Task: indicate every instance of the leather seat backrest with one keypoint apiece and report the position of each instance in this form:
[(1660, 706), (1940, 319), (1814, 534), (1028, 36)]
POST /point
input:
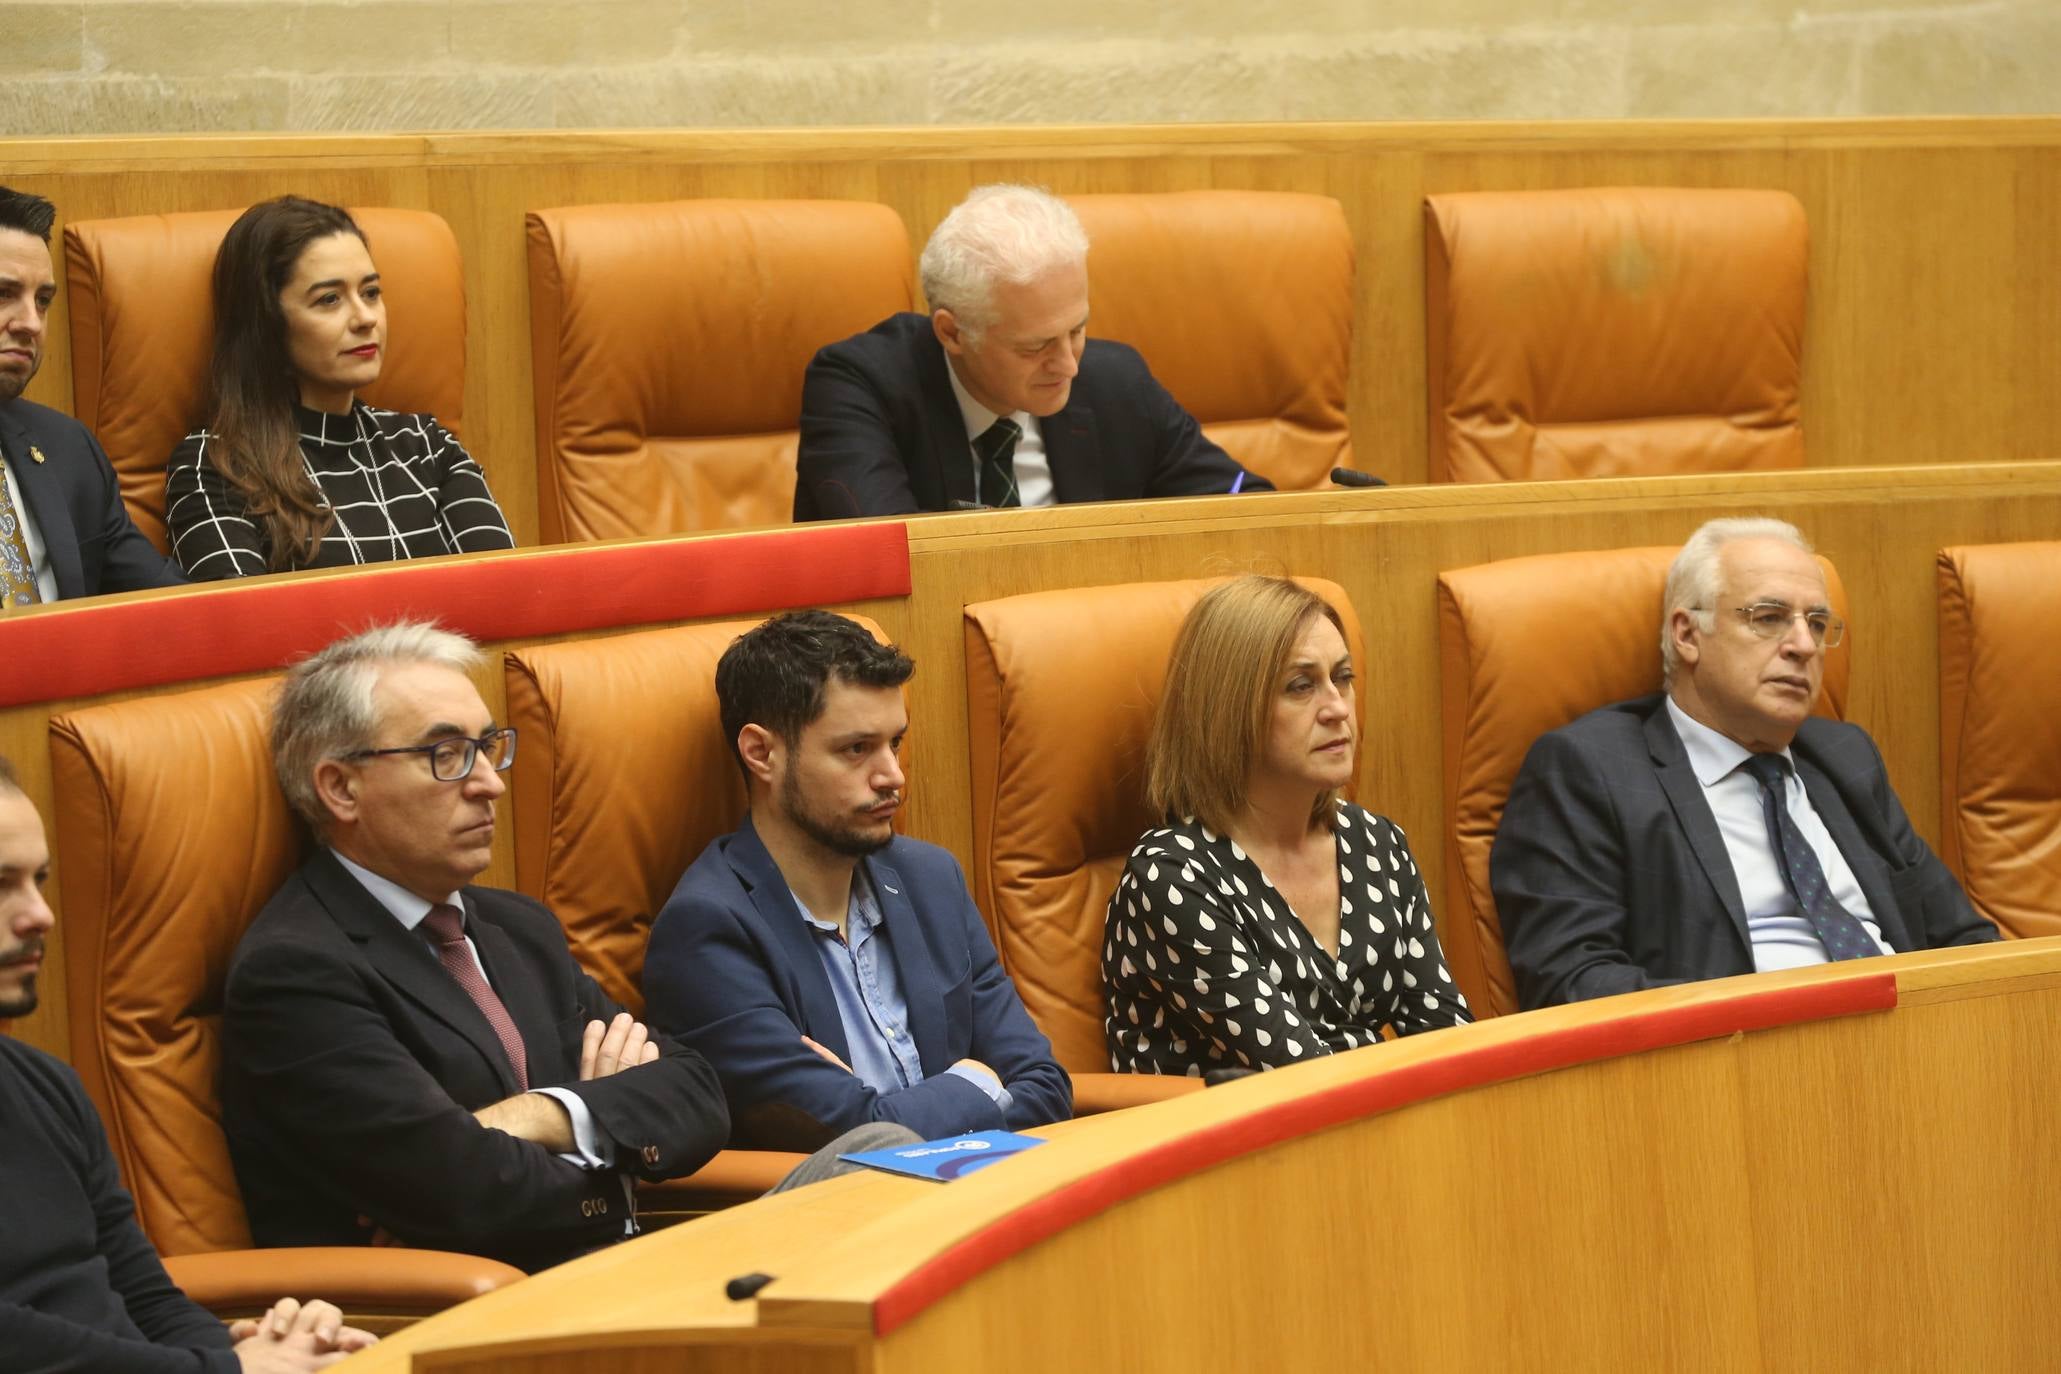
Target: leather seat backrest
[(171, 835), (1241, 303), (622, 776), (1525, 646), (1613, 332), (143, 319), (1061, 690), (668, 344), (1999, 734)]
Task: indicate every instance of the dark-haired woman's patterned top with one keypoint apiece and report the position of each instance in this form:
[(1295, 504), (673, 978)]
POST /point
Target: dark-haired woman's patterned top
[(402, 486)]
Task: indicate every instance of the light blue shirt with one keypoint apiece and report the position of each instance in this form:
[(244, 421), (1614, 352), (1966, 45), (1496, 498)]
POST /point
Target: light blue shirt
[(1782, 935), (592, 1149), (870, 1005)]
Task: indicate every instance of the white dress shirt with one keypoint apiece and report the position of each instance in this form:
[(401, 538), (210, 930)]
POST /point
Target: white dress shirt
[(1033, 468), (592, 1148), (39, 559), (1782, 935)]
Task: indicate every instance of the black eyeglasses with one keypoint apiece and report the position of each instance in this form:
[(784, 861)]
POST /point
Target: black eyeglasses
[(451, 760), (1772, 619)]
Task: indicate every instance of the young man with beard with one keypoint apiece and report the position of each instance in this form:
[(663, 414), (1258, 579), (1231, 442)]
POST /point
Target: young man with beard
[(833, 972)]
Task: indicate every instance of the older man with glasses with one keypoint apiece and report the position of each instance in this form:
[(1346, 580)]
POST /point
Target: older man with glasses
[(1718, 827), (410, 1058)]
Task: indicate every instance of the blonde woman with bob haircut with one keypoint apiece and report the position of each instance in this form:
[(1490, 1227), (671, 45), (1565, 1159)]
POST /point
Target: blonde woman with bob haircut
[(1270, 920)]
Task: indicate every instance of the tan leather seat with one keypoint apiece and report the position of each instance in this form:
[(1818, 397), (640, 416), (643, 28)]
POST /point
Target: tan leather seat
[(1525, 646), (668, 344), (1600, 333), (1999, 734), (143, 323), (623, 778), (1241, 302), (1061, 690), (171, 834)]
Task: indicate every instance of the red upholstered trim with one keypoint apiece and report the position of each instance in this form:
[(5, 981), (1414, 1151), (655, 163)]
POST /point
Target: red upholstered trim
[(253, 627), (1228, 1140)]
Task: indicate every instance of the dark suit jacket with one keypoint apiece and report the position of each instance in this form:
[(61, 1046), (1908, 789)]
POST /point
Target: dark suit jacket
[(80, 1287), (352, 1064), (76, 506), (1610, 875), (881, 432), (733, 970)]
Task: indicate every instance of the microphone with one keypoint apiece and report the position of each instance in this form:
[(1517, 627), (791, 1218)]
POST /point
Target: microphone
[(1353, 477), (745, 1286)]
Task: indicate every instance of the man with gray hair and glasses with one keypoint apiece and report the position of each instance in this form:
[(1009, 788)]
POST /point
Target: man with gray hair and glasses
[(409, 1058), (998, 397), (1716, 828)]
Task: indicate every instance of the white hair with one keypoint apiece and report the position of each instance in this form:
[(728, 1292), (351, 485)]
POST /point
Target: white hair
[(999, 233), (1694, 579), (325, 709)]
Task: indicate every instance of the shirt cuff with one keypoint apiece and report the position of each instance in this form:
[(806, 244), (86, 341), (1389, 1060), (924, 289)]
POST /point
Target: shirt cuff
[(987, 1083), (592, 1149)]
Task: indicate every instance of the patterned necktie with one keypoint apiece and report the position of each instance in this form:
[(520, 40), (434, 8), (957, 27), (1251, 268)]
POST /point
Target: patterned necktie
[(446, 927), (1841, 932), (17, 572), (994, 467)]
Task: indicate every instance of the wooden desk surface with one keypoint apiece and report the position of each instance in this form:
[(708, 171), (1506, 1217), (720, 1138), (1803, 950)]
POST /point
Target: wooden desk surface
[(1698, 1125)]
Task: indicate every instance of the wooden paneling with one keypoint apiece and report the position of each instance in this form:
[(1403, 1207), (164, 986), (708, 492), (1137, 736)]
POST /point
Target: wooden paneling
[(1931, 332), (1805, 1195), (1386, 547), (1808, 1197)]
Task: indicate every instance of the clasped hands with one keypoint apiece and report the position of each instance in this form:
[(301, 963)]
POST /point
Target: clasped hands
[(295, 1336)]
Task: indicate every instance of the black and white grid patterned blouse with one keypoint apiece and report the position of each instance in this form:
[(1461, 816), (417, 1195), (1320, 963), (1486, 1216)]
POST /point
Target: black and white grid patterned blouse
[(1205, 965), (401, 486)]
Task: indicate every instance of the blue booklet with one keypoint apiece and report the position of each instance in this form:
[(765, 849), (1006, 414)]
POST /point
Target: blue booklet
[(944, 1160)]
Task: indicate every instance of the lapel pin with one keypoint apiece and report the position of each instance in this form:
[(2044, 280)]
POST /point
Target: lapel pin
[(36, 453)]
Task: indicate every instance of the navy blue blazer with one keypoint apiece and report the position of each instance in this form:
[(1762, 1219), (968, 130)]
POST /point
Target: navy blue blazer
[(1610, 875), (76, 506), (881, 431), (732, 970)]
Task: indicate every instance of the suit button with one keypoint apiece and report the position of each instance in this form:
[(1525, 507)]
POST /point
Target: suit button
[(651, 1154), (587, 1207)]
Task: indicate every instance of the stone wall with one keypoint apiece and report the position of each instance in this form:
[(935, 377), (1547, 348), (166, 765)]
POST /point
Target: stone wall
[(149, 66)]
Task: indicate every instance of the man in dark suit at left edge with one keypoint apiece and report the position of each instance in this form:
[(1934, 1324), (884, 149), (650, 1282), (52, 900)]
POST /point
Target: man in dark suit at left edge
[(80, 1286), (409, 1057), (64, 531)]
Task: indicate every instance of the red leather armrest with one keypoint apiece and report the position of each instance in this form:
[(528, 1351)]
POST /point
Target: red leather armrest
[(1111, 1092), (232, 1283)]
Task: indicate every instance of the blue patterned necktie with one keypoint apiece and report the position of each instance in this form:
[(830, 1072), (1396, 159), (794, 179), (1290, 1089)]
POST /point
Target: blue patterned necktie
[(17, 572), (994, 471), (1839, 930)]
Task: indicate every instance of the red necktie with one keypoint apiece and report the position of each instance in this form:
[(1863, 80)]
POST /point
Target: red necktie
[(446, 926)]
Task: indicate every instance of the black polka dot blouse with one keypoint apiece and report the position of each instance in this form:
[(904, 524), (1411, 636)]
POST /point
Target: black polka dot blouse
[(1205, 966)]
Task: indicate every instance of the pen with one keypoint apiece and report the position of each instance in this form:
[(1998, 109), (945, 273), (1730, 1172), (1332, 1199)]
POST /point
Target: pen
[(1237, 483)]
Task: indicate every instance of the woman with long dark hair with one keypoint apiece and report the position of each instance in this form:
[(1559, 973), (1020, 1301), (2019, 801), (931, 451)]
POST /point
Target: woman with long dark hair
[(292, 469)]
